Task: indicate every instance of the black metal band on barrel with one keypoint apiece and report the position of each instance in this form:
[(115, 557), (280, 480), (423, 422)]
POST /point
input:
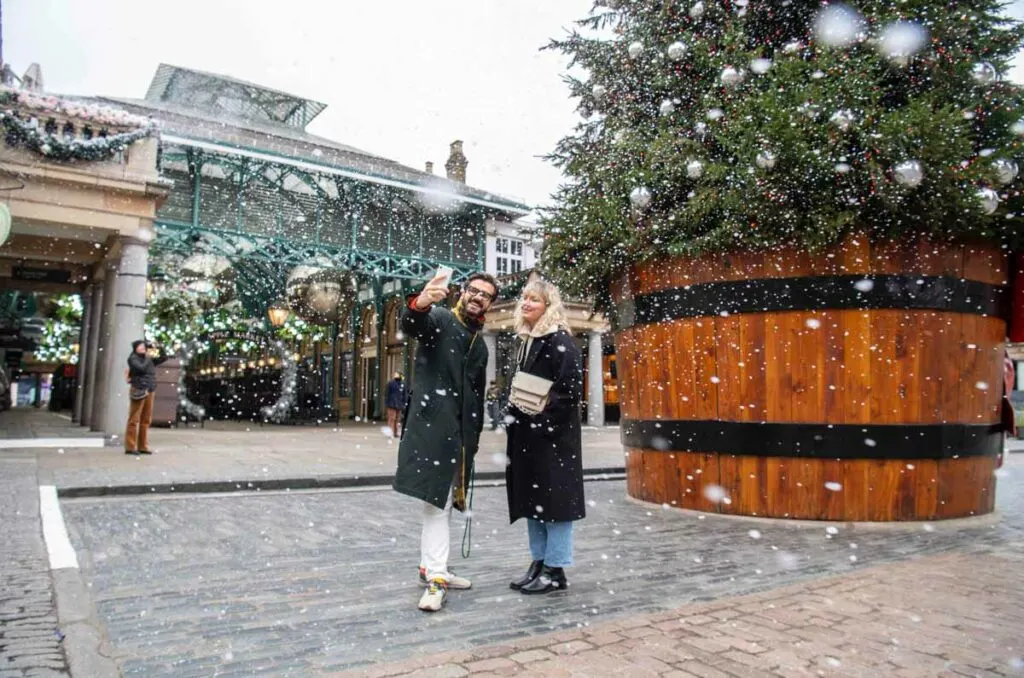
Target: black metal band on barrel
[(817, 441), (765, 295)]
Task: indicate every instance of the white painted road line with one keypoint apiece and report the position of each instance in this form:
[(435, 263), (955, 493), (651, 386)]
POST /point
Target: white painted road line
[(25, 443), (58, 545)]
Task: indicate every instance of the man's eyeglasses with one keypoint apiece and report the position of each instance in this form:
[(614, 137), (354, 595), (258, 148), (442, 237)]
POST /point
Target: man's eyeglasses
[(477, 292)]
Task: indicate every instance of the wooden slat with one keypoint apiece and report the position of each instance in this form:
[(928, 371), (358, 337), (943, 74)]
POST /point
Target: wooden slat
[(778, 367), (727, 355), (706, 368), (884, 381), (986, 263), (752, 370), (809, 342)]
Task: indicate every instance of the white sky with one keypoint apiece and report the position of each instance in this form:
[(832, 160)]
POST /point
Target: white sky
[(401, 78)]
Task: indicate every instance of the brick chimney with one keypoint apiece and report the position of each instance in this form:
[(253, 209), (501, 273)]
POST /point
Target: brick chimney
[(430, 168), (456, 165)]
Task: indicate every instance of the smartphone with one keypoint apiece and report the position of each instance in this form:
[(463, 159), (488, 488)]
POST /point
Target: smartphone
[(445, 272)]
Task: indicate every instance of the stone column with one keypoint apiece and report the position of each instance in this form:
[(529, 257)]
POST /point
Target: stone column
[(129, 321), (90, 350), (83, 355), (595, 395), (103, 347)]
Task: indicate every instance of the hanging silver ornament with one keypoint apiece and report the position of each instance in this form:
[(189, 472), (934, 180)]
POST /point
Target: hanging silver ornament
[(760, 66), (792, 47), (765, 160), (989, 200), (677, 51), (640, 197), (635, 49), (842, 168), (843, 119), (694, 169), (667, 107), (700, 130), (715, 114), (909, 173), (611, 4), (1006, 170), (984, 73), (599, 91), (697, 11), (1018, 127), (731, 76), (810, 110)]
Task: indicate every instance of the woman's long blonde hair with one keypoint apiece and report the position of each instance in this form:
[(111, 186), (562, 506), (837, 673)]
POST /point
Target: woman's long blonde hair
[(555, 316)]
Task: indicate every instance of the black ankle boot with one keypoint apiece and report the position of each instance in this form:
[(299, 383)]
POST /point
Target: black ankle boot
[(531, 574), (550, 579)]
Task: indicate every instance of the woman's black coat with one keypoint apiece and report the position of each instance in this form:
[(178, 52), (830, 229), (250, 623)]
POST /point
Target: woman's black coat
[(545, 468)]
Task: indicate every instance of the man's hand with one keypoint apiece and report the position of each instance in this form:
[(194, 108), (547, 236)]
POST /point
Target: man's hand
[(436, 290)]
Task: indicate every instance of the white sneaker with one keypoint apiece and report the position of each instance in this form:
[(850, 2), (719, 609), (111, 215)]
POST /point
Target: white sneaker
[(433, 598), (455, 582)]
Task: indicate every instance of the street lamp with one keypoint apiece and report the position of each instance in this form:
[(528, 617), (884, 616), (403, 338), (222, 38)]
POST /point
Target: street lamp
[(278, 313)]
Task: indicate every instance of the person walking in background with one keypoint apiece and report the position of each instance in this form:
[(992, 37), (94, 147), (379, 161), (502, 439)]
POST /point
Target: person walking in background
[(492, 403), (544, 476), (444, 420), (394, 401), (141, 377)]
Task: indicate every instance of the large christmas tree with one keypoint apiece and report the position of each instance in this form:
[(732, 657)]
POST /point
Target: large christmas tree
[(746, 124)]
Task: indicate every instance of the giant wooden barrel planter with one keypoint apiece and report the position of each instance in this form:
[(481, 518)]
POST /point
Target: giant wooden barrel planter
[(861, 383)]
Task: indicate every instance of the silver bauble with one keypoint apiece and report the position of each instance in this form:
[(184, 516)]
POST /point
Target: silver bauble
[(984, 73), (989, 200), (697, 11), (635, 49), (677, 51), (909, 173), (640, 197), (765, 160), (667, 107), (809, 110), (731, 76), (843, 119), (701, 130), (792, 47), (760, 66), (1006, 170), (694, 169), (599, 91), (1018, 127)]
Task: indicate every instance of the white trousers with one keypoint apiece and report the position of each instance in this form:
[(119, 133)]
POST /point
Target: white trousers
[(435, 540)]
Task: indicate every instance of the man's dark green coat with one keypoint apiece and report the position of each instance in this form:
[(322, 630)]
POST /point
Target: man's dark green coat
[(445, 414)]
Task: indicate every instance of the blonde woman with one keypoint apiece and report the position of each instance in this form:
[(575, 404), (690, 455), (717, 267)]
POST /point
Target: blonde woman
[(545, 469)]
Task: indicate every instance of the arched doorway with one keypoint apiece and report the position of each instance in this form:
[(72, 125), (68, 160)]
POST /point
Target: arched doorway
[(367, 347)]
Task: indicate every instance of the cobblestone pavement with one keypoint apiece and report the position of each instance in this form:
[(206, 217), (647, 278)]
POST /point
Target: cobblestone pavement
[(309, 584), (29, 644), (229, 451), (947, 616)]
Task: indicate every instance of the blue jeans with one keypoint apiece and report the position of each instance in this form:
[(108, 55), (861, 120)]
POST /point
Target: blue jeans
[(550, 542)]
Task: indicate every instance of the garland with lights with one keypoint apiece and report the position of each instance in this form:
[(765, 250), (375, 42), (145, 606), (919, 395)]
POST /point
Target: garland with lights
[(28, 133)]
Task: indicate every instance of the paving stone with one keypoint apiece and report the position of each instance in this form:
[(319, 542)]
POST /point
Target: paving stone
[(28, 620), (531, 656)]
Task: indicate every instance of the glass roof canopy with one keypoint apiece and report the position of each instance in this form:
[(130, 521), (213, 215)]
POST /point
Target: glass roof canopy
[(221, 94)]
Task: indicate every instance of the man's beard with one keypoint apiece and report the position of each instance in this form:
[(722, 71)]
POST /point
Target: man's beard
[(470, 313)]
